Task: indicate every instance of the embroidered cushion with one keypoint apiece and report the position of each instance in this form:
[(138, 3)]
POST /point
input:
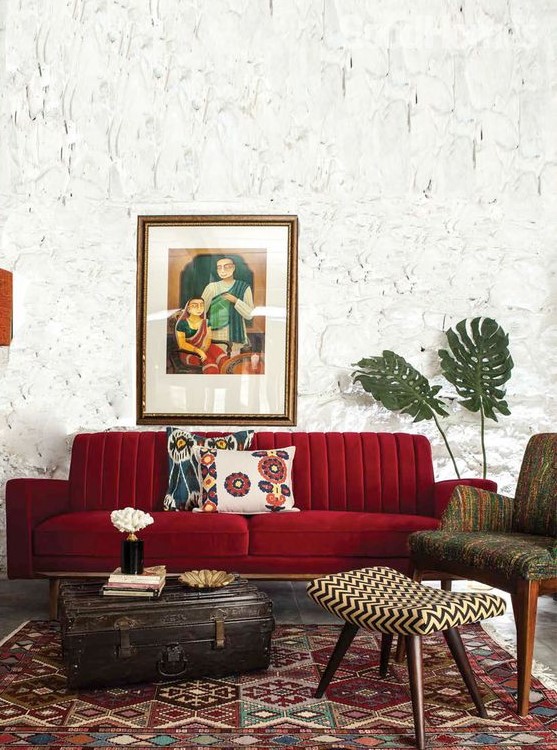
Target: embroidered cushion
[(184, 491), (249, 482)]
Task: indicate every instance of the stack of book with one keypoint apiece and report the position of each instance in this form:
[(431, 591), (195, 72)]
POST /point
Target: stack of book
[(148, 584)]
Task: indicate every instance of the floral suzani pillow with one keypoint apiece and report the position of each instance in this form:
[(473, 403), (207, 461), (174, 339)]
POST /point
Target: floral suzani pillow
[(247, 482), (184, 491)]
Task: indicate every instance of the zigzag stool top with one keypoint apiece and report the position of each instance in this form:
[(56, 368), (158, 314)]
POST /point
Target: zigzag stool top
[(385, 600)]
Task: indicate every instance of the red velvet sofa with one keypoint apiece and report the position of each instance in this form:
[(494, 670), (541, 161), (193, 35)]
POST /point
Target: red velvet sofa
[(360, 496)]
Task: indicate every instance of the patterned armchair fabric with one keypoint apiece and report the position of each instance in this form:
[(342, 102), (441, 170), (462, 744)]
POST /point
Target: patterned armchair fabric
[(485, 530), (471, 509), (524, 555), (535, 509), (510, 544)]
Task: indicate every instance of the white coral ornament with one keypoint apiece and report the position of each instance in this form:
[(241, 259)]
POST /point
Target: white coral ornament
[(130, 520)]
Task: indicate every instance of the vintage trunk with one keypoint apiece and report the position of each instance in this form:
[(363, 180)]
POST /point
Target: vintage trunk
[(184, 634)]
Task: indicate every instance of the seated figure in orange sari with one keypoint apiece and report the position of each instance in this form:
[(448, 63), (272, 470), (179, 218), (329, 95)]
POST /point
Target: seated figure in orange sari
[(193, 337)]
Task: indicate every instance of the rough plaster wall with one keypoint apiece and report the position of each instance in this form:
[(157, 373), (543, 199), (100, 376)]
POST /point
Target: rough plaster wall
[(415, 140)]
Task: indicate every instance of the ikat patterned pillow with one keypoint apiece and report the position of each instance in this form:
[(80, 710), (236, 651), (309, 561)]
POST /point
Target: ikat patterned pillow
[(247, 482), (184, 491)]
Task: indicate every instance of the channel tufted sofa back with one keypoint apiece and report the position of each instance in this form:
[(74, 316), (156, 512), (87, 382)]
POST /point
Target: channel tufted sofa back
[(356, 471)]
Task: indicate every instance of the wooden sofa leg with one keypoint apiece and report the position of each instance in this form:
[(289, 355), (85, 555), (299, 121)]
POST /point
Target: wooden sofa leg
[(53, 591), (525, 607)]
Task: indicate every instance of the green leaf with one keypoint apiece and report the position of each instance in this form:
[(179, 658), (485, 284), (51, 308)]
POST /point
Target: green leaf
[(398, 386), (478, 364)]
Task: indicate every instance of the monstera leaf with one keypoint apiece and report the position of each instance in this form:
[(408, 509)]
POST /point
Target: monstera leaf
[(399, 387), (478, 365)]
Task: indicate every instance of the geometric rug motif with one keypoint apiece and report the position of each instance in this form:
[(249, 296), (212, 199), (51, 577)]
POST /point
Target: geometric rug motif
[(273, 709)]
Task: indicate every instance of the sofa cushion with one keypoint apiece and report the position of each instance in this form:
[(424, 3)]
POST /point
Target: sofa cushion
[(315, 533), (172, 535), (183, 491), (247, 481)]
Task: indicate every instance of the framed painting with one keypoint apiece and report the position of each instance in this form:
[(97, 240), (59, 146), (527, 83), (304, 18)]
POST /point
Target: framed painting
[(216, 320)]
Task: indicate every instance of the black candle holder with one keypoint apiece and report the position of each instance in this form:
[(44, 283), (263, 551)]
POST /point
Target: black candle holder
[(131, 561)]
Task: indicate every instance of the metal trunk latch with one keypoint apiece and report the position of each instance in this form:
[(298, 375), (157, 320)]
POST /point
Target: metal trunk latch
[(218, 618), (173, 662), (125, 650)]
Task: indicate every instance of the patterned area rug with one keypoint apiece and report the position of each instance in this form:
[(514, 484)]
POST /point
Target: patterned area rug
[(273, 709)]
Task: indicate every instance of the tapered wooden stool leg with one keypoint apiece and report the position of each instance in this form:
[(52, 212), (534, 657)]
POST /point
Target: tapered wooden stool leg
[(386, 642), (345, 639), (454, 642), (400, 649), (401, 643), (414, 658)]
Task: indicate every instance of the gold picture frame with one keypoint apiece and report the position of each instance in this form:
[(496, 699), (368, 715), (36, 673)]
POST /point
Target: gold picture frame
[(217, 320)]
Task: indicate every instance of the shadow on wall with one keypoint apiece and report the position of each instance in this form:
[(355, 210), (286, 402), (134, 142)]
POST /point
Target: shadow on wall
[(40, 446)]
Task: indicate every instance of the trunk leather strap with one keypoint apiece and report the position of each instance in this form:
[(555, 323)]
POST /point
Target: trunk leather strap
[(219, 630), (125, 650)]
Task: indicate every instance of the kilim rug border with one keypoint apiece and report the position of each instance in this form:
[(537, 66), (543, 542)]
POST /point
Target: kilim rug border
[(275, 709)]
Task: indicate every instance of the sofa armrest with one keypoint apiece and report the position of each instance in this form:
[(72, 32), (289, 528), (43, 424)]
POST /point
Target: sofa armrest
[(28, 502), (444, 490), (473, 509)]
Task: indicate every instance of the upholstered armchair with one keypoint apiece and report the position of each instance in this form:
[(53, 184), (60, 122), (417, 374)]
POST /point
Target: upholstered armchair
[(505, 543)]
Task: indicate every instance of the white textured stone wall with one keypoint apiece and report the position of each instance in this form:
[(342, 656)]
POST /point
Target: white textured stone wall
[(415, 140)]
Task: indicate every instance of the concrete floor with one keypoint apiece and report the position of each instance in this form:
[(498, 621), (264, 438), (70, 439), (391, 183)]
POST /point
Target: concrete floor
[(28, 600)]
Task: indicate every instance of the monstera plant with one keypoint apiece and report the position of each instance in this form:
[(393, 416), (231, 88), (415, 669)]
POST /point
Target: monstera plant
[(477, 363)]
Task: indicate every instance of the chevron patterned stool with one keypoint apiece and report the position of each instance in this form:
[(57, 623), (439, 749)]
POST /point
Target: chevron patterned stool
[(389, 602)]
